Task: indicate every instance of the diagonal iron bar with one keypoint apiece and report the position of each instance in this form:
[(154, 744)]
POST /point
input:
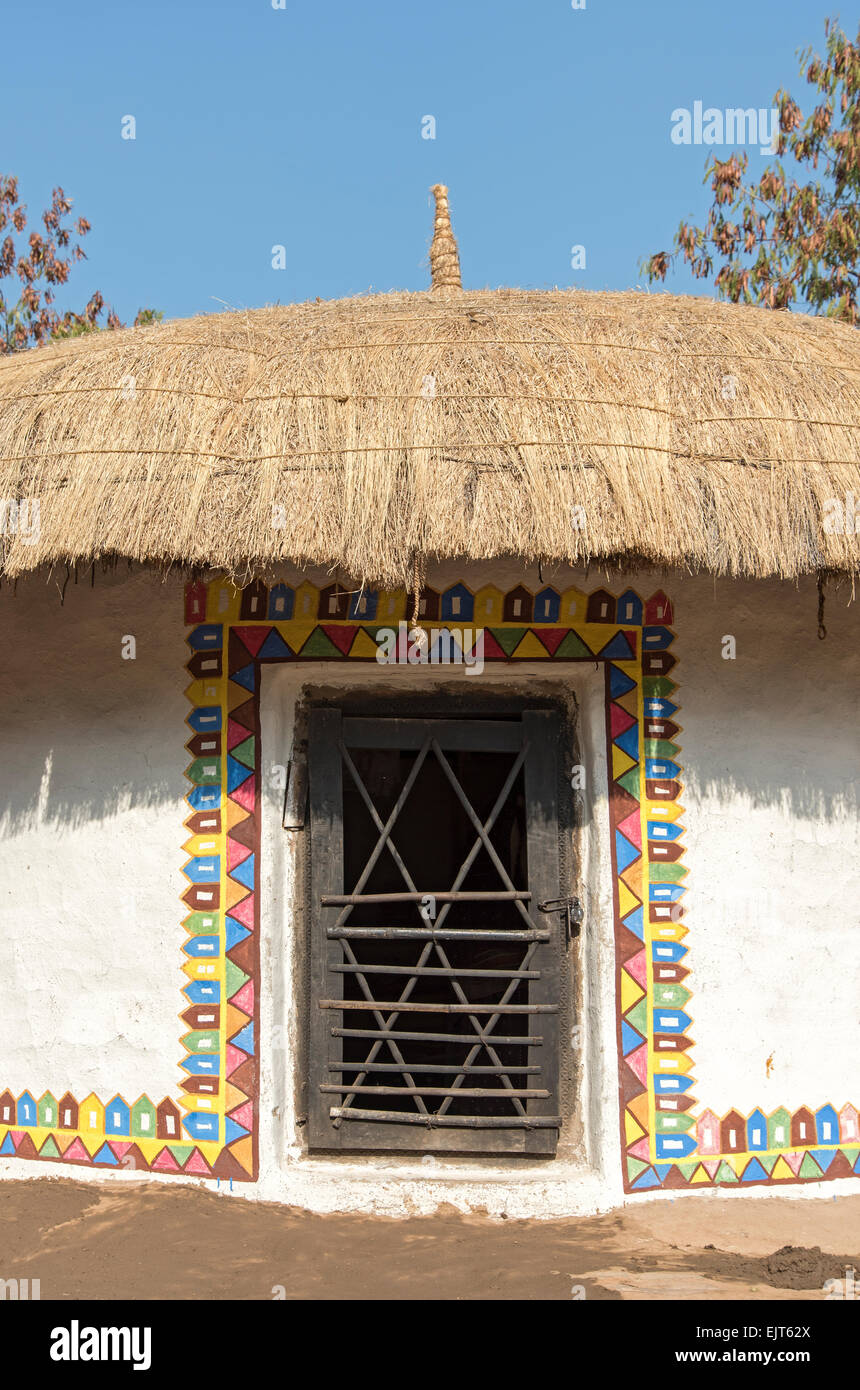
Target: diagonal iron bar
[(474, 818), (386, 829)]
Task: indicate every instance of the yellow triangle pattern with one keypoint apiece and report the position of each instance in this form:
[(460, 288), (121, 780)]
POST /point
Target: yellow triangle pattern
[(533, 649), (621, 762), (626, 900), (632, 1130), (631, 991)]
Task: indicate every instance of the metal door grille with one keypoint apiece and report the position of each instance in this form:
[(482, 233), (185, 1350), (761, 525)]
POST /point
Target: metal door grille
[(434, 1012)]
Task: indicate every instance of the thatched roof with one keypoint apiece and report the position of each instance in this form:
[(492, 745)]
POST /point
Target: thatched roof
[(365, 432)]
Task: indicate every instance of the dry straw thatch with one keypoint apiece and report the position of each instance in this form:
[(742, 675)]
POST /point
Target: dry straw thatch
[(365, 433)]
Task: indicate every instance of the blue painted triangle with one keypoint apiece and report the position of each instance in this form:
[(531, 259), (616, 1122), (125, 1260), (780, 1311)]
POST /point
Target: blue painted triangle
[(237, 773), (245, 1039), (7, 1147), (274, 648), (625, 853), (635, 922), (754, 1172), (647, 1179), (629, 741), (619, 683), (630, 1039), (824, 1158), (244, 872), (200, 992), (235, 933), (106, 1155), (617, 650), (245, 676), (232, 1130)]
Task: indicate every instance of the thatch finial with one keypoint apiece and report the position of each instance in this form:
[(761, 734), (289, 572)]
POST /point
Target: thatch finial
[(444, 256)]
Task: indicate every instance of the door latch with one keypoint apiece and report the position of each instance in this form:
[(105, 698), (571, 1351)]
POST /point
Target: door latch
[(572, 911)]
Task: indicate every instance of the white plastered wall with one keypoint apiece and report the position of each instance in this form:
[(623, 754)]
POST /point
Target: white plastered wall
[(91, 810)]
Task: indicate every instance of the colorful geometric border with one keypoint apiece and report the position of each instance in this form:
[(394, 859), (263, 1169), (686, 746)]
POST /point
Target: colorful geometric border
[(234, 633)]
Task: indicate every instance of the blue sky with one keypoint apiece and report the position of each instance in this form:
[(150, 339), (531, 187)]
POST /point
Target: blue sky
[(301, 127)]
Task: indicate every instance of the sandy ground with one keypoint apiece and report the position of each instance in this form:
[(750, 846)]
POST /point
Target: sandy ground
[(148, 1241)]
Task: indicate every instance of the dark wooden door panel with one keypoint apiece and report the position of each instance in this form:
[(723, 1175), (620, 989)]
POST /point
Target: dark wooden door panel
[(434, 978)]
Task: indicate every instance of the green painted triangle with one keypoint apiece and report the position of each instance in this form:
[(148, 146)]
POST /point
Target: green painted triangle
[(49, 1148), (768, 1162), (199, 924), (635, 1166), (809, 1168), (202, 1040), (629, 780), (638, 1017), (204, 772), (726, 1173), (244, 753), (674, 996), (661, 748), (320, 645), (508, 638), (688, 1169), (573, 647), (658, 685), (666, 1124), (181, 1152), (851, 1154), (234, 978), (666, 873)]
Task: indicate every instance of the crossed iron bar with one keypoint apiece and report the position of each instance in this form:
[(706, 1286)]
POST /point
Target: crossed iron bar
[(531, 935)]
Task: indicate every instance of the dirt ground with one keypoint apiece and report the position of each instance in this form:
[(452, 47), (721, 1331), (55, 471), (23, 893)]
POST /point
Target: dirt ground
[(147, 1241)]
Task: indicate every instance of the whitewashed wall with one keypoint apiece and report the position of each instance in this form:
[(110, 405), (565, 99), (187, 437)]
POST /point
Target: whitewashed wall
[(91, 811)]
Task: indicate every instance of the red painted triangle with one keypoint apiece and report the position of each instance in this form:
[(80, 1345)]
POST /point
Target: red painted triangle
[(244, 1114), (619, 720), (236, 734), (234, 1058), (631, 827), (252, 637), (197, 1164), (637, 966), (342, 637), (244, 794), (492, 650), (244, 912), (76, 1153), (236, 854), (551, 637), (244, 999), (638, 1062), (165, 1162)]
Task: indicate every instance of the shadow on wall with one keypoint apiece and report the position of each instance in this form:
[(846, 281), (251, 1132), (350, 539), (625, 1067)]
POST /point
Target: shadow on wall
[(768, 712), (92, 693), (92, 731)]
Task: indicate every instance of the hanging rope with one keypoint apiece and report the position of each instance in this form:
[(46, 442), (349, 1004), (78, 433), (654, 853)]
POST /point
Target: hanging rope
[(822, 630), (418, 634)]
